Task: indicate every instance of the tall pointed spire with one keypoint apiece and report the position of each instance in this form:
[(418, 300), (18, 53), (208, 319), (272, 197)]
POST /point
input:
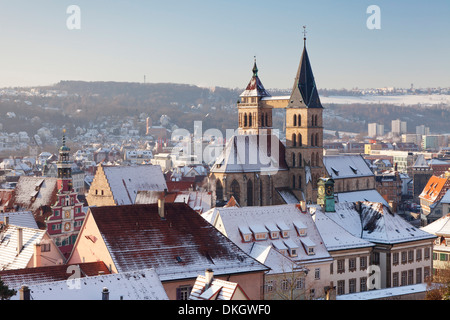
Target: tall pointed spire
[(255, 87), (304, 93)]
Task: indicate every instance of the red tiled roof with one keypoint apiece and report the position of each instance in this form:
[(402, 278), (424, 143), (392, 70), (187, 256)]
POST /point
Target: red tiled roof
[(29, 276), (183, 242)]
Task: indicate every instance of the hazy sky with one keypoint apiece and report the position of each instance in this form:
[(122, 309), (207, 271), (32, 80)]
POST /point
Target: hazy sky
[(212, 43)]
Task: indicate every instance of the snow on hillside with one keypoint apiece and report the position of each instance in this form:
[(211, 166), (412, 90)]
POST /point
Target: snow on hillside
[(425, 100)]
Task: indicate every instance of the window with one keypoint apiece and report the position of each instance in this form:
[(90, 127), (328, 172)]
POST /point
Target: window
[(363, 263), (352, 264), (426, 253), (317, 273), (45, 247), (363, 284), (395, 279), (352, 285), (284, 285), (443, 257), (341, 287), (410, 255), (269, 286), (418, 254), (395, 257), (403, 257), (419, 275), (183, 292), (410, 276), (300, 283), (341, 265), (404, 277)]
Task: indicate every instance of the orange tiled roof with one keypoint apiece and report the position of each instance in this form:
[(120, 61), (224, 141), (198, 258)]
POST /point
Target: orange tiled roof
[(434, 189)]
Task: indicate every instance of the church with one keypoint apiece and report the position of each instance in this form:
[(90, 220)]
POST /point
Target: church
[(256, 168)]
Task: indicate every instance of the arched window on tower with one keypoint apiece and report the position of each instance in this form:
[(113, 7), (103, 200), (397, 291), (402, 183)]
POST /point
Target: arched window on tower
[(236, 191), (316, 142), (300, 159), (249, 193), (299, 120), (293, 182), (295, 120), (293, 159), (317, 160), (312, 140), (299, 139), (294, 140), (299, 182), (219, 191), (245, 120), (250, 120)]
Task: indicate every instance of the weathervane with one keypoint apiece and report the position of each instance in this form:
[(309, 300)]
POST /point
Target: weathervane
[(304, 33)]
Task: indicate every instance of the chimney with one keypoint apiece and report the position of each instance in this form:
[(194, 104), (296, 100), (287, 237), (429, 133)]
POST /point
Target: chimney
[(6, 221), (208, 277), (161, 208), (105, 294), (24, 293), (37, 255), (19, 240)]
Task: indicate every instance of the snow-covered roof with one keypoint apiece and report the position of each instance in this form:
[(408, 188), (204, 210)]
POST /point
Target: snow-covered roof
[(217, 290), (283, 216), (371, 195), (126, 181), (334, 236), (182, 245), (446, 197), (420, 162), (439, 227), (346, 166), (388, 293), (374, 222), (264, 154), (9, 257), (33, 193), (133, 285), (21, 219)]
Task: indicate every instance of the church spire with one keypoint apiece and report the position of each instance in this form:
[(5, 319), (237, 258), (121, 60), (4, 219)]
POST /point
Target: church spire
[(304, 93)]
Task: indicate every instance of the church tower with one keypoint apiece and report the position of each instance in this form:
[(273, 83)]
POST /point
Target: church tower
[(255, 117), (304, 133)]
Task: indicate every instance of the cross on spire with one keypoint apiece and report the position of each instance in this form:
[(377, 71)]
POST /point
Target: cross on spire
[(304, 34)]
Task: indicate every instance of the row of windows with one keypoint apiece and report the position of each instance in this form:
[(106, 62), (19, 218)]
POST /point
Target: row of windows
[(352, 265), (408, 256), (297, 120), (315, 160), (352, 285), (246, 120), (406, 277), (297, 140)]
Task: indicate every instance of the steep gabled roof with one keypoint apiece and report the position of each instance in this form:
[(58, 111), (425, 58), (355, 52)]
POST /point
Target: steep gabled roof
[(435, 189), (181, 245), (252, 153), (126, 181), (32, 193), (304, 93), (217, 290)]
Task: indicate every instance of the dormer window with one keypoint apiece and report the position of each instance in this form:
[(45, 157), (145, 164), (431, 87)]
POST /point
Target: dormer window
[(274, 232), (245, 233), (292, 247), (309, 245), (301, 228), (259, 232), (280, 246), (284, 229)]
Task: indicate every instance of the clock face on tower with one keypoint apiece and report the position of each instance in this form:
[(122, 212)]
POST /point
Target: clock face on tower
[(67, 214), (321, 190), (329, 191)]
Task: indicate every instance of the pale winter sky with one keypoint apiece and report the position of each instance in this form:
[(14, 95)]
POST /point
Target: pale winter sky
[(212, 42)]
